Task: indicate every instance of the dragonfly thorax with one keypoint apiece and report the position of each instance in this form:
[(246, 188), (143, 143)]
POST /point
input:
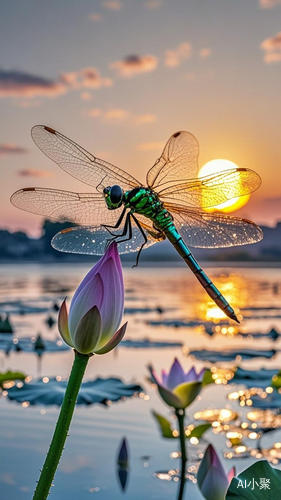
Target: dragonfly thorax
[(113, 196)]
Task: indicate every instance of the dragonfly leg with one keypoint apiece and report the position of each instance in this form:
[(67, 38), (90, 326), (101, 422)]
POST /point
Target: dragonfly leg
[(117, 223), (127, 226), (144, 237)]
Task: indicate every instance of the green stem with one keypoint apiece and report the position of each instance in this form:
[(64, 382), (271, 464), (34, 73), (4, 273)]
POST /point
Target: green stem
[(62, 427), (180, 414)]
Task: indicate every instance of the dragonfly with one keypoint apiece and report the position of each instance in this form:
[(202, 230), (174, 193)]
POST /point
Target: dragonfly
[(174, 204)]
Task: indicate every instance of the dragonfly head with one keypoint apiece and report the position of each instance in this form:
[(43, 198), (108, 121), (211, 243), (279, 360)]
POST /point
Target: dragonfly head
[(113, 196)]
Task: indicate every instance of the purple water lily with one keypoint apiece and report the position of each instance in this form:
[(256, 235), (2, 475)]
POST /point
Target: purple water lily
[(212, 479), (178, 388), (96, 308)]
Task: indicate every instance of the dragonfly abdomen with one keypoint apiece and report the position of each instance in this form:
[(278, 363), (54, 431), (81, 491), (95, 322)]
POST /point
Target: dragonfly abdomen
[(177, 241)]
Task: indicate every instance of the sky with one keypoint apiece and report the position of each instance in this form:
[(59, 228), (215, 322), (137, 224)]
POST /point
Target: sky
[(119, 77)]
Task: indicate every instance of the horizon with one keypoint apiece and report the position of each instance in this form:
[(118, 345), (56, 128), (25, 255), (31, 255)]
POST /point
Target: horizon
[(121, 99)]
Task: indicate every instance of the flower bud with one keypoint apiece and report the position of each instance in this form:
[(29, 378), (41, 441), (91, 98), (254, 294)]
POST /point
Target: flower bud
[(96, 308)]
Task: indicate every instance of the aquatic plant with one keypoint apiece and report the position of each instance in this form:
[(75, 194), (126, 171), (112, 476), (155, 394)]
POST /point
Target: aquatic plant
[(95, 313)]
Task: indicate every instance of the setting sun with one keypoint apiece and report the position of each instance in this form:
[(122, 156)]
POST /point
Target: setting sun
[(219, 165)]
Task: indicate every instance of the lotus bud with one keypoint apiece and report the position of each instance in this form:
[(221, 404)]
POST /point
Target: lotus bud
[(211, 477), (177, 388), (96, 309)]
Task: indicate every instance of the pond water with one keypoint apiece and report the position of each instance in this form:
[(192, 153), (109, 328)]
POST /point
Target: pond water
[(156, 299)]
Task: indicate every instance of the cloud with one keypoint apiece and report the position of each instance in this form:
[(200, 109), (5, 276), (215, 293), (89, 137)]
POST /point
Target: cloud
[(117, 115), (11, 149), (151, 146), (86, 96), (145, 118), (174, 57), (85, 78), (153, 4), (135, 64), (112, 5), (95, 17), (31, 172), (15, 83), (269, 4), (205, 53), (272, 48)]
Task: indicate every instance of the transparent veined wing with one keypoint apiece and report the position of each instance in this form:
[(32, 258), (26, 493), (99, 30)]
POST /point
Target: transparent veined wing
[(213, 189), (80, 208), (92, 241), (177, 163), (213, 230), (78, 162)]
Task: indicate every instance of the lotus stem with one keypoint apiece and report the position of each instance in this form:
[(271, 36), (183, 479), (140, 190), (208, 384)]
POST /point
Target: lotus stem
[(180, 414), (62, 427)]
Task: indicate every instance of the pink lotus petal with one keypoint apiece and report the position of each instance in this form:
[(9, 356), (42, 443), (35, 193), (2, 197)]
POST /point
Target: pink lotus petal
[(211, 477), (164, 377), (91, 295), (113, 300), (114, 341), (63, 324), (176, 375), (231, 474)]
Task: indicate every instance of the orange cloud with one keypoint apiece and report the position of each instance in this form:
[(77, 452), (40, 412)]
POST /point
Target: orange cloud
[(176, 56), (14, 83), (112, 5), (269, 4), (95, 17), (145, 118), (11, 149), (31, 172), (153, 4), (151, 146), (272, 48), (135, 64), (86, 96), (116, 115), (205, 52), (85, 77)]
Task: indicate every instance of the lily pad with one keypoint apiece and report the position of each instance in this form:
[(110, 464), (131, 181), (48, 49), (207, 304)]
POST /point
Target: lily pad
[(30, 344), (45, 391), (146, 343), (260, 481), (9, 376), (254, 378), (231, 354)]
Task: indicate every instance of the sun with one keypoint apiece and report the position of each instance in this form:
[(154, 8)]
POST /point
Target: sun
[(219, 165)]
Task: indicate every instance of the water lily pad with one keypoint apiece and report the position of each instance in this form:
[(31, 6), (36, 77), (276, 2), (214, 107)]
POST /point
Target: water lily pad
[(30, 344), (51, 391), (9, 376), (231, 354), (146, 343), (254, 378), (260, 481)]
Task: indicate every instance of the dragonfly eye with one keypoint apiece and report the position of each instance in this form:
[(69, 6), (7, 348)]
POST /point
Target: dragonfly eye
[(116, 194), (106, 191)]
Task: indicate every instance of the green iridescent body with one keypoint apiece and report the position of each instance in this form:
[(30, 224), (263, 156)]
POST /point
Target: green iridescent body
[(146, 202)]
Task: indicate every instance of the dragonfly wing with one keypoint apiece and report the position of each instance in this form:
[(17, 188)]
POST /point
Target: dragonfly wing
[(214, 230), (78, 162), (92, 241), (177, 162), (79, 208), (212, 190)]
